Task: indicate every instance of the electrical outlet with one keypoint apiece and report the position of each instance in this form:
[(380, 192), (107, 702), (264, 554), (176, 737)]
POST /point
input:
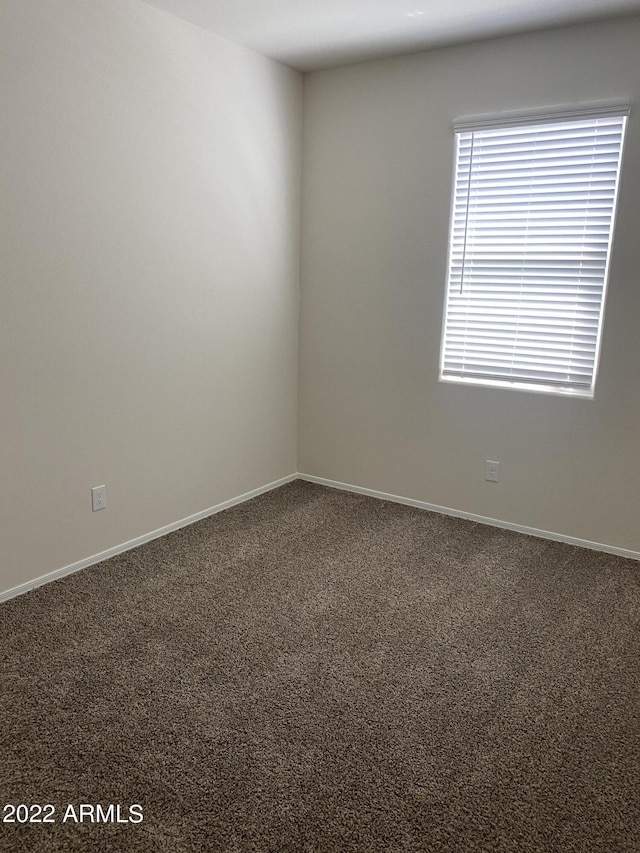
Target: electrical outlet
[(492, 473), (98, 498)]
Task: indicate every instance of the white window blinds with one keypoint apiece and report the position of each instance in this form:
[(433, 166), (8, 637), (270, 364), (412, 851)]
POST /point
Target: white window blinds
[(531, 225)]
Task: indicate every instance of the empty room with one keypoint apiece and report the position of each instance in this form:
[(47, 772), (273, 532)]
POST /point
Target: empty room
[(320, 420)]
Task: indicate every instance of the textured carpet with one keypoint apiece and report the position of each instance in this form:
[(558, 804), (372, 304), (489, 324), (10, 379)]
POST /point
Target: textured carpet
[(319, 671)]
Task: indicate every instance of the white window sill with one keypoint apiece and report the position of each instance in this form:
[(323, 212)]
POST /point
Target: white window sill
[(535, 388)]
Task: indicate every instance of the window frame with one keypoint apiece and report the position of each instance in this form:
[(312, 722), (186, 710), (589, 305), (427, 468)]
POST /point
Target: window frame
[(522, 118)]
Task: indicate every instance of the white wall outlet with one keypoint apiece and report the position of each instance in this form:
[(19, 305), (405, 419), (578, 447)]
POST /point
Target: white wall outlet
[(492, 473), (98, 498)]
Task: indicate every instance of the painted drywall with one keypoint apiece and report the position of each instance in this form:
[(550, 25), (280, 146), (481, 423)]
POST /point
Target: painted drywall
[(149, 275), (378, 165)]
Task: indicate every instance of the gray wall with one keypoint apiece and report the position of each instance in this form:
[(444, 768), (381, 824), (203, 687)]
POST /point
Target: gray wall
[(149, 249), (149, 275), (378, 163)]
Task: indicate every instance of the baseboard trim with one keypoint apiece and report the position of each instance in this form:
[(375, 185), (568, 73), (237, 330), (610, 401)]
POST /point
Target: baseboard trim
[(140, 540), (481, 519), (321, 481)]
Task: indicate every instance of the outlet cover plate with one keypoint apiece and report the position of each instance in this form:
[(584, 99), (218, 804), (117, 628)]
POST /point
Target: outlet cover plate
[(492, 473), (98, 498)]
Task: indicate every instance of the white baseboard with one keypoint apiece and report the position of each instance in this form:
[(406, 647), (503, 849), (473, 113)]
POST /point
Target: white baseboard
[(493, 522), (140, 540), (322, 481)]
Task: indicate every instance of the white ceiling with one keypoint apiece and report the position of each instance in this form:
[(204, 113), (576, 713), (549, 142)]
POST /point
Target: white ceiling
[(312, 34)]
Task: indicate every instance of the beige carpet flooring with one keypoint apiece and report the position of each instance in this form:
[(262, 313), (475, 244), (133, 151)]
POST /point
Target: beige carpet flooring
[(320, 671)]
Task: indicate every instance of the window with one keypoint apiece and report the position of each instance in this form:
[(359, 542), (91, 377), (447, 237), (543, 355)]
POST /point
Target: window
[(531, 226)]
